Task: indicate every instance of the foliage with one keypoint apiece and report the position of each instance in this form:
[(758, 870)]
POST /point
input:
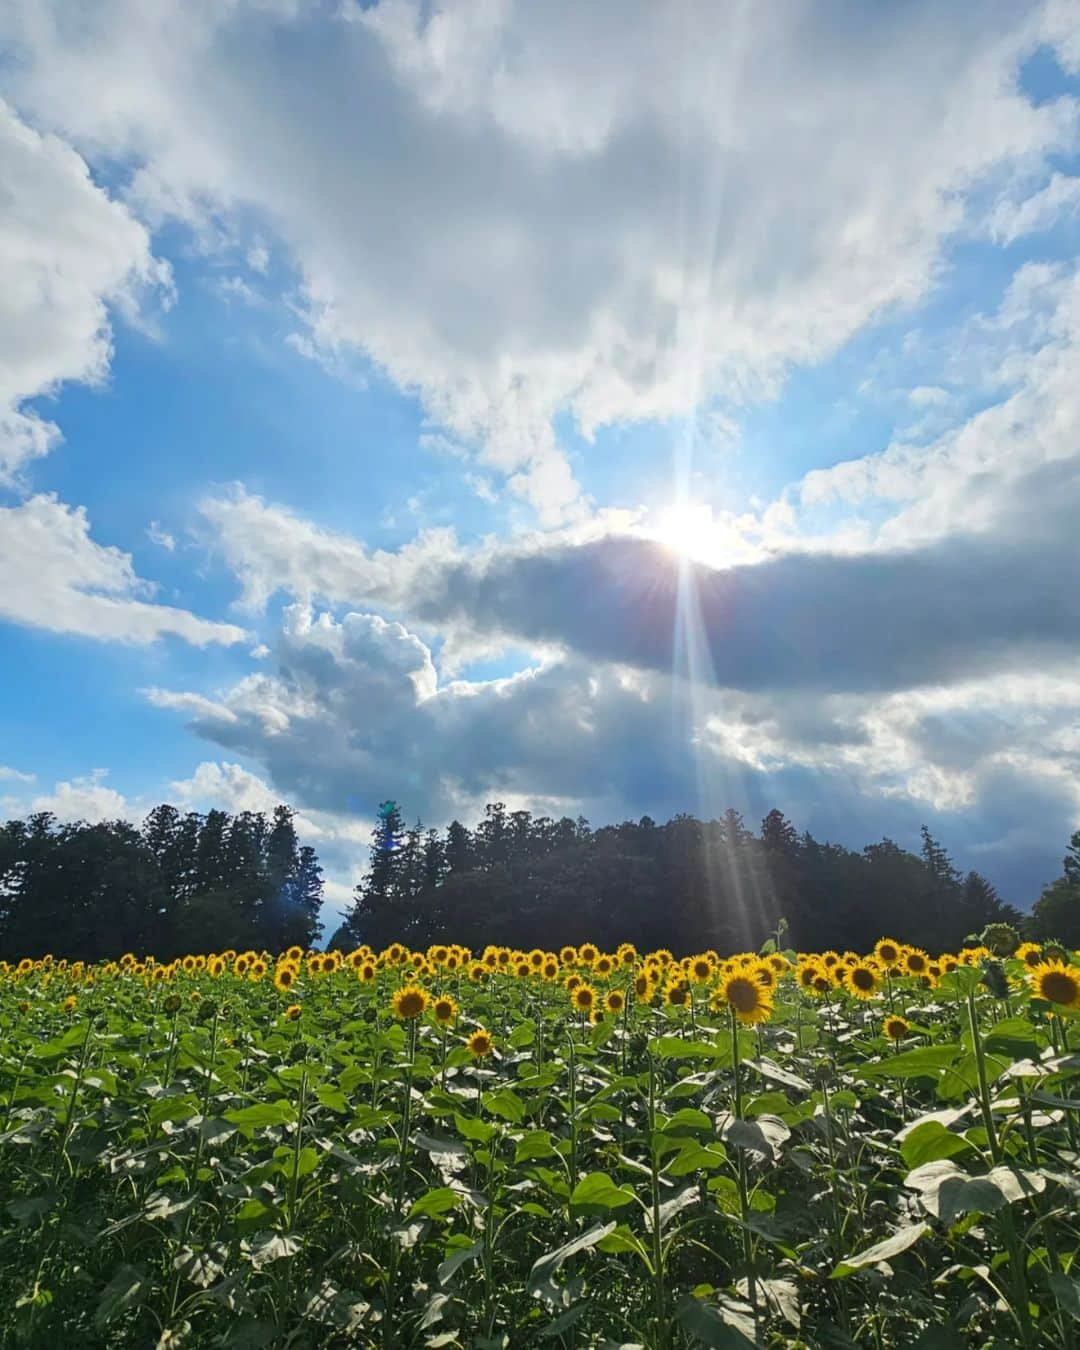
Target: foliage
[(518, 878), (440, 1149), (181, 882)]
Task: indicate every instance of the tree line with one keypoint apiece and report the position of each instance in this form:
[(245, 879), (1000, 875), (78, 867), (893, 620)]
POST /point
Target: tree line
[(181, 882), (525, 881), (185, 881)]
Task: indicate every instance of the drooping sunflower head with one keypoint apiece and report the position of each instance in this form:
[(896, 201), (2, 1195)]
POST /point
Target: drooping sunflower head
[(862, 980), (409, 1002), (445, 1009), (742, 992), (480, 1043), (896, 1028), (1057, 983), (614, 1000), (292, 1012)]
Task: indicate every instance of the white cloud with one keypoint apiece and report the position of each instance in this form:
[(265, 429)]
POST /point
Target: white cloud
[(57, 578), (86, 798), (1059, 199), (67, 255), (161, 537), (9, 775), (520, 209)]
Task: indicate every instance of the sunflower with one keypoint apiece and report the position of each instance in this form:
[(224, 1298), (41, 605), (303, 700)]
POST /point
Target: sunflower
[(215, 966), (568, 955), (676, 994), (915, 961), (480, 1043), (69, 1003), (537, 958), (366, 972), (603, 965), (522, 969), (887, 952), (1057, 983), (292, 1012), (550, 969), (409, 1001), (295, 955), (700, 969), (615, 1000), (284, 978), (583, 997), (477, 971), (587, 953), (862, 980), (445, 1009), (644, 987), (807, 974), (829, 959), (257, 969), (896, 1028), (661, 957), (766, 975), (745, 995)]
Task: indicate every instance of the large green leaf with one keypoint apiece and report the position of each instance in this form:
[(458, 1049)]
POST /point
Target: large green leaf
[(885, 1250)]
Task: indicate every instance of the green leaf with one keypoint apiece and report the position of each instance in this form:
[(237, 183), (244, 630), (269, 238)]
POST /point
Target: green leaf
[(332, 1098), (881, 1251), (674, 1047), (248, 1119), (927, 1061), (688, 1120), (505, 1103), (434, 1204), (536, 1144), (600, 1190), (1066, 1291), (776, 1074), (946, 1192), (127, 1287), (931, 1141), (523, 1034), (718, 1326), (541, 1282), (453, 1263)]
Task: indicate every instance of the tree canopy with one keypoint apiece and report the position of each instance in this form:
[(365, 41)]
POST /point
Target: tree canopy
[(526, 881), (181, 882)]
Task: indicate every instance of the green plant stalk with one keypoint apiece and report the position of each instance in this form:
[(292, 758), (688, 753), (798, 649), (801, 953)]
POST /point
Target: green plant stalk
[(743, 1182), (1017, 1269), (294, 1179), (659, 1291)]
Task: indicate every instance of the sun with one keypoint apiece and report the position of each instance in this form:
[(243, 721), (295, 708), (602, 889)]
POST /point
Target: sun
[(689, 530)]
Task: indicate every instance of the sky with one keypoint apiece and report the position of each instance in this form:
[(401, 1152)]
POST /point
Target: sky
[(607, 409)]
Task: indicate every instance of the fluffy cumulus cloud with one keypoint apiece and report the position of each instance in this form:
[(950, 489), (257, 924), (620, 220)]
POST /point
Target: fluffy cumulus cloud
[(917, 661), (517, 209), (58, 578), (68, 254), (615, 212)]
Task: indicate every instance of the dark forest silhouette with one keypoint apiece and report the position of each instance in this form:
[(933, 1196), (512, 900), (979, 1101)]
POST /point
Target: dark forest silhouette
[(531, 881), (185, 881)]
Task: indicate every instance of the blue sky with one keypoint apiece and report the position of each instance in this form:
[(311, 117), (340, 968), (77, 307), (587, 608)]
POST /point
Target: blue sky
[(558, 404)]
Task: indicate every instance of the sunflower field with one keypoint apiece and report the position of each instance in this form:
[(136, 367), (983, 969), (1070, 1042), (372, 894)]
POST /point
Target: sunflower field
[(572, 1148)]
